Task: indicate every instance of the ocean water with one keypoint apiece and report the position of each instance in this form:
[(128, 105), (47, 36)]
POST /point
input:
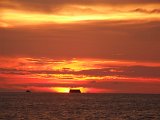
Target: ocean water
[(48, 106)]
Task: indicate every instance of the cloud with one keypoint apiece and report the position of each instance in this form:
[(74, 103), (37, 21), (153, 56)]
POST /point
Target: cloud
[(147, 11), (105, 40), (47, 4), (122, 71), (64, 12), (12, 71)]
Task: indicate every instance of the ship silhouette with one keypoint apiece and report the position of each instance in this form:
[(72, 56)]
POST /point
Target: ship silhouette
[(73, 90), (28, 91)]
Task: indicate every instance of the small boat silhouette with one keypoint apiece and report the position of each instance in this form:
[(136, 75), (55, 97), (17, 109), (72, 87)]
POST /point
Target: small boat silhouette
[(73, 90), (28, 91)]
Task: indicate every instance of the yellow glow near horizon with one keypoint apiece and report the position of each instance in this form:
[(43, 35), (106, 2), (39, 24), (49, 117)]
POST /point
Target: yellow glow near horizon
[(74, 13), (61, 89)]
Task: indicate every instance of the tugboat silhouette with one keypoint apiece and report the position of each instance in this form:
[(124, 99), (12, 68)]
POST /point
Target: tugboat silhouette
[(74, 90)]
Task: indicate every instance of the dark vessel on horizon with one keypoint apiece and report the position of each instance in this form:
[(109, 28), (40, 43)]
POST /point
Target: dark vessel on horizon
[(28, 91), (74, 91)]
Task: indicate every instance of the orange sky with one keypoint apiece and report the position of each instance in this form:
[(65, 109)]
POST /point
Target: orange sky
[(96, 46)]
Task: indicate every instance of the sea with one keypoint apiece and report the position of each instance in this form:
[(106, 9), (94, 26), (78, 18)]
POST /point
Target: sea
[(51, 106)]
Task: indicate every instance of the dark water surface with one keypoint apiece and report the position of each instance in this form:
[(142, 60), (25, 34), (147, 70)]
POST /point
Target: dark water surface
[(48, 106)]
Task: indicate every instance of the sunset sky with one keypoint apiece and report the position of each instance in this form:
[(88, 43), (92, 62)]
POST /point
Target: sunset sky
[(98, 46)]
